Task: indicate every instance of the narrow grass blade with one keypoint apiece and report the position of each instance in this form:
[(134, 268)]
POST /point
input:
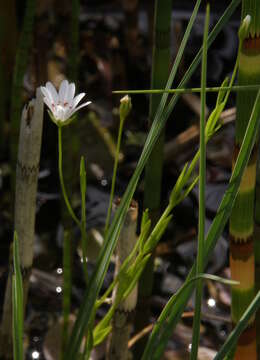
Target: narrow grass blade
[(17, 298), (235, 88), (214, 233), (83, 189), (96, 281), (202, 186), (159, 326), (240, 327)]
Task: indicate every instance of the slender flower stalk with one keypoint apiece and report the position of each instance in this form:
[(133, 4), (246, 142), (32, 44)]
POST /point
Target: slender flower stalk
[(64, 192), (125, 108), (202, 185), (241, 226), (62, 108)]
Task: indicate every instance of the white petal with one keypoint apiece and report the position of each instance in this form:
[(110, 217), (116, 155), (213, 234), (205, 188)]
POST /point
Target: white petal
[(46, 93), (77, 99), (52, 91), (48, 103), (71, 92), (81, 106), (63, 91)]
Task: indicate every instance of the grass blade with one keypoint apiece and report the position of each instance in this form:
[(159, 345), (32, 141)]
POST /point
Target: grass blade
[(240, 327), (17, 298), (202, 186), (96, 280)]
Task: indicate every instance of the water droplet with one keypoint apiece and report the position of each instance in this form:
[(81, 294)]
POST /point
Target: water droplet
[(58, 289), (104, 182), (211, 302), (35, 354)]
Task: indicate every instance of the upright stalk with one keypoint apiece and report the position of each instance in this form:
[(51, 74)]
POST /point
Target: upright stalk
[(242, 259), (25, 205), (154, 167), (21, 63), (202, 185)]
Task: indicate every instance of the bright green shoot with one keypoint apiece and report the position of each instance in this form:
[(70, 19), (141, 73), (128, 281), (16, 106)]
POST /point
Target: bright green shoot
[(17, 299), (202, 185), (124, 110)]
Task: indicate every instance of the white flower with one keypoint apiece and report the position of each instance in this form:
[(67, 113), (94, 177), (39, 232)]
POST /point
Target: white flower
[(62, 104)]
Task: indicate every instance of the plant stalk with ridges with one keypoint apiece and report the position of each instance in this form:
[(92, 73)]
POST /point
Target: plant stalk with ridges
[(241, 226)]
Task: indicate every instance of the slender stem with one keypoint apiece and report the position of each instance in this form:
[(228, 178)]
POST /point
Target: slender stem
[(65, 196), (66, 289), (236, 88), (114, 172), (202, 185), (83, 218)]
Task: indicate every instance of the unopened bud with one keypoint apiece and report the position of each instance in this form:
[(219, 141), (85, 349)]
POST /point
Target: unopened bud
[(244, 28), (125, 106)]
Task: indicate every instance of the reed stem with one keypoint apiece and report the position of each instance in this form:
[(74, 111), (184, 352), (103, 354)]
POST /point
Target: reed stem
[(122, 318), (25, 204), (21, 63), (154, 166), (242, 259)]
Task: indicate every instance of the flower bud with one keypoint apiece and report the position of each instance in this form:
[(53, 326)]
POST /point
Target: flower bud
[(244, 28), (125, 107)]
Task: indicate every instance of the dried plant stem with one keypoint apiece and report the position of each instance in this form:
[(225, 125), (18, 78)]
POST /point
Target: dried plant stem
[(22, 56), (242, 258), (121, 323), (25, 204)]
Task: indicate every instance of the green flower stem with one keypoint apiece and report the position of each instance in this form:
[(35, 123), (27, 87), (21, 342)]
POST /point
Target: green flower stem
[(121, 124), (83, 217), (235, 88), (65, 196), (202, 185)]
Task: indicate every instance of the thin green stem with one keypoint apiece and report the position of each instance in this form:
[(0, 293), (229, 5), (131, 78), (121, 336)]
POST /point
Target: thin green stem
[(121, 123), (65, 196), (202, 185), (83, 218), (235, 88)]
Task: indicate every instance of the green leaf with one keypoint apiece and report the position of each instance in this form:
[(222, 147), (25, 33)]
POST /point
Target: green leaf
[(17, 299), (101, 334)]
